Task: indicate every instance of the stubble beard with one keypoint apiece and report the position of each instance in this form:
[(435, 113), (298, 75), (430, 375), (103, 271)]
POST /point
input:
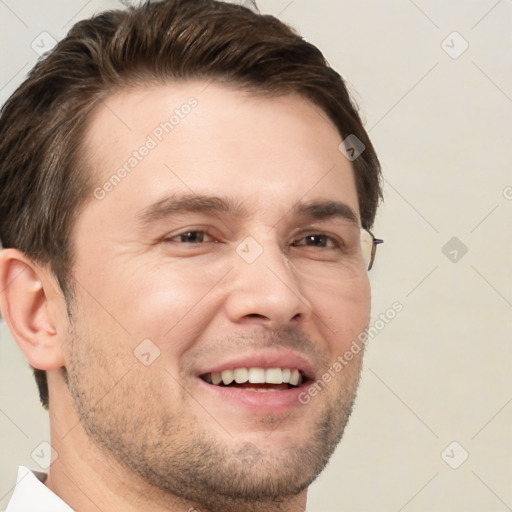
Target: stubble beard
[(211, 472)]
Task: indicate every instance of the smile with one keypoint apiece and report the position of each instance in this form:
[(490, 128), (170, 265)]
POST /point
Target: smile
[(256, 378)]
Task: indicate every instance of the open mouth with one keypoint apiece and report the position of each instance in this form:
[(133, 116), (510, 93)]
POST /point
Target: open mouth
[(257, 379)]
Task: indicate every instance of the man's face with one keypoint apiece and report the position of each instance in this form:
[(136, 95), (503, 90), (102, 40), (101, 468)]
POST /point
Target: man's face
[(229, 245)]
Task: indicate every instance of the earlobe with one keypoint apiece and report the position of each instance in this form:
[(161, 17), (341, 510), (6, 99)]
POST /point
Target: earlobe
[(26, 291)]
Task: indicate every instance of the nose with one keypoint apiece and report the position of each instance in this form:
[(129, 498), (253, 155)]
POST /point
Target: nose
[(265, 289)]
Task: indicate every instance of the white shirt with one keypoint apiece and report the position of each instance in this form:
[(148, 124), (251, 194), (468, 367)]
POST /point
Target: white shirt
[(31, 495)]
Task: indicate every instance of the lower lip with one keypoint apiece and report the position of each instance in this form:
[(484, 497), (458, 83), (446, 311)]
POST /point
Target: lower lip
[(261, 402)]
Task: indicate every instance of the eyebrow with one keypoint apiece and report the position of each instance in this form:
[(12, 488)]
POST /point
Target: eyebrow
[(325, 210), (190, 203)]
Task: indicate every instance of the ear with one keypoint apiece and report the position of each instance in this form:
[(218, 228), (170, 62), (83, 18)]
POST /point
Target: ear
[(29, 295)]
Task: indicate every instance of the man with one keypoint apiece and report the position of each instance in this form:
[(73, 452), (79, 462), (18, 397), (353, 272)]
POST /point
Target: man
[(185, 194)]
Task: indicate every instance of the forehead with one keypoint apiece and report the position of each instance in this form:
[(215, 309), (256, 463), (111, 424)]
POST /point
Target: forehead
[(206, 138)]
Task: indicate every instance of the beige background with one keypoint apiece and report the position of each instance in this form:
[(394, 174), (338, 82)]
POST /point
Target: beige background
[(441, 370)]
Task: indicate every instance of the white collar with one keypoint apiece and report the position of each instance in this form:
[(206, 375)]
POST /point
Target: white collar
[(31, 495)]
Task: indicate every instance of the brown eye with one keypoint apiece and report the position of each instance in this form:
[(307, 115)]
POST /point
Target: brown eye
[(315, 240), (191, 237)]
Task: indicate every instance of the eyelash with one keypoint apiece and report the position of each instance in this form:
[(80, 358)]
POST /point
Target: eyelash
[(335, 243), (171, 239)]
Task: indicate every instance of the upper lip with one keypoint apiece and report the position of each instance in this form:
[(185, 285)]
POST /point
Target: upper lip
[(264, 359)]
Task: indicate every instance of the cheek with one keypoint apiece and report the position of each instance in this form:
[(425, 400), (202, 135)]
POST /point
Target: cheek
[(342, 308), (172, 301), (98, 355)]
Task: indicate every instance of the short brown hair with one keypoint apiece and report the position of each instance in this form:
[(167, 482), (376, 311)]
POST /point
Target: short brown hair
[(42, 184)]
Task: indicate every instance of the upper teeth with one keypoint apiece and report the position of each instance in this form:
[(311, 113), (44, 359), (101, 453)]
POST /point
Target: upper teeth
[(257, 376)]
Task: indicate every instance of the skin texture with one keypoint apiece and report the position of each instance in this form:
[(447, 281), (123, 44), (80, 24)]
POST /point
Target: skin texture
[(132, 436)]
